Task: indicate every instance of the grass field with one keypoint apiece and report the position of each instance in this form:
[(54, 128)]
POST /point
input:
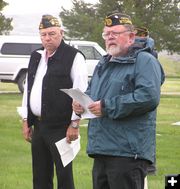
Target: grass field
[(15, 158), (171, 67)]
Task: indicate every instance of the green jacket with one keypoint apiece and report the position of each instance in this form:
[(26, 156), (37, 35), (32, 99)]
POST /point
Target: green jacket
[(129, 89)]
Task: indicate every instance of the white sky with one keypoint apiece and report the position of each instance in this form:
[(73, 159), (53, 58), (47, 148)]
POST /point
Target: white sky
[(31, 11), (38, 6)]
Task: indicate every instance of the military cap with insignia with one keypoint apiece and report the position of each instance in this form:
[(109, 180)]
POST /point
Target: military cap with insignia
[(49, 21), (117, 18), (141, 31)]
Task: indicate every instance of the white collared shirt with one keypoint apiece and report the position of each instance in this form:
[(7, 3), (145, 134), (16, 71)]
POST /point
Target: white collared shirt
[(78, 74)]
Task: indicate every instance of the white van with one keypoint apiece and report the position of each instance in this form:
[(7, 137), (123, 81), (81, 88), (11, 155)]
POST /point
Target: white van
[(15, 53)]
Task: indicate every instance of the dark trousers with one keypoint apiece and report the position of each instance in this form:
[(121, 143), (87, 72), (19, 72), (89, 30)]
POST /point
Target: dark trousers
[(111, 172), (45, 156)]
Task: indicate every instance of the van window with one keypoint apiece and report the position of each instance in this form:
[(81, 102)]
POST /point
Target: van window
[(19, 48), (90, 52)]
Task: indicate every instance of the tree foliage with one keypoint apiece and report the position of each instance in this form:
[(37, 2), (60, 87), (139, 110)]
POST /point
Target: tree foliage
[(5, 23), (82, 21), (161, 17)]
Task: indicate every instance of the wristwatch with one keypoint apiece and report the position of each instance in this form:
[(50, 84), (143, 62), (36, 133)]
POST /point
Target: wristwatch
[(74, 125), (24, 119)]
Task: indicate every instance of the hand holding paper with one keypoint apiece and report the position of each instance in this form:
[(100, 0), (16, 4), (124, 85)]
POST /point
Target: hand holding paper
[(83, 99), (68, 151)]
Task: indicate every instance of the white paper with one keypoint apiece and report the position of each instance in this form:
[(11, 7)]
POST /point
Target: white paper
[(176, 123), (68, 151), (83, 99)]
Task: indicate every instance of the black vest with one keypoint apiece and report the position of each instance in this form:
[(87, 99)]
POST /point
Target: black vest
[(56, 107)]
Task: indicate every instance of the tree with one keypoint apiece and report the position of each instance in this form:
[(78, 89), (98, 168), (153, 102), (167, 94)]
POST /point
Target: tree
[(82, 21), (5, 23), (161, 17)]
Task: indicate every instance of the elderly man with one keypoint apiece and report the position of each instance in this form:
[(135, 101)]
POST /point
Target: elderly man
[(125, 88), (46, 111)]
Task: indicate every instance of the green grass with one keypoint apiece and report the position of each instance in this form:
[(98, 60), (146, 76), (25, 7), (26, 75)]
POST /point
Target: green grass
[(15, 163), (171, 67), (15, 155), (168, 153), (15, 158), (171, 85), (8, 87)]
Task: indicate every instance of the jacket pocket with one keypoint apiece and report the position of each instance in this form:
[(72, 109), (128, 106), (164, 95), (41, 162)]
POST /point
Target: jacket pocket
[(121, 87)]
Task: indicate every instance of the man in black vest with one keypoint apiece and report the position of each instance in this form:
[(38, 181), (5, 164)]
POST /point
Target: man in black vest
[(46, 111)]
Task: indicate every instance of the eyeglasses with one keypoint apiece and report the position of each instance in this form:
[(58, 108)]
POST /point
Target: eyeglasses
[(105, 35)]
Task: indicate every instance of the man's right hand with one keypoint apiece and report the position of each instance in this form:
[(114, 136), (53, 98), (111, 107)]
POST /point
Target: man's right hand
[(27, 131), (77, 108)]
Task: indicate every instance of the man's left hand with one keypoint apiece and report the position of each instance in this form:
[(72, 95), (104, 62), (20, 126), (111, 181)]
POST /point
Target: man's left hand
[(72, 134), (95, 108)]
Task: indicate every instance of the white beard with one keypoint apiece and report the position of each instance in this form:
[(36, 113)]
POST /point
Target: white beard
[(114, 50)]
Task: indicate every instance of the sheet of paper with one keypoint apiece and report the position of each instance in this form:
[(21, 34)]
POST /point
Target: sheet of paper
[(83, 99), (68, 151), (176, 123)]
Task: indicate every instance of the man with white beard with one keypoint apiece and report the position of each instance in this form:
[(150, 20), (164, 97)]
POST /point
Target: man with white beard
[(125, 88)]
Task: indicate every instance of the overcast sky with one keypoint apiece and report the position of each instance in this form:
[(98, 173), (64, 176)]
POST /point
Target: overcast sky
[(26, 14), (38, 6)]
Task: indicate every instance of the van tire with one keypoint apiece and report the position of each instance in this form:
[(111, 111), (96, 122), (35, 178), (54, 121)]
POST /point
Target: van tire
[(21, 81)]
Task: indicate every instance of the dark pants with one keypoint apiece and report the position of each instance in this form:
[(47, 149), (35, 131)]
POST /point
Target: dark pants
[(45, 156), (119, 173)]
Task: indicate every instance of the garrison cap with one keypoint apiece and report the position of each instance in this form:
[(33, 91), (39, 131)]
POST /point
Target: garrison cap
[(141, 31), (49, 21), (117, 18)]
